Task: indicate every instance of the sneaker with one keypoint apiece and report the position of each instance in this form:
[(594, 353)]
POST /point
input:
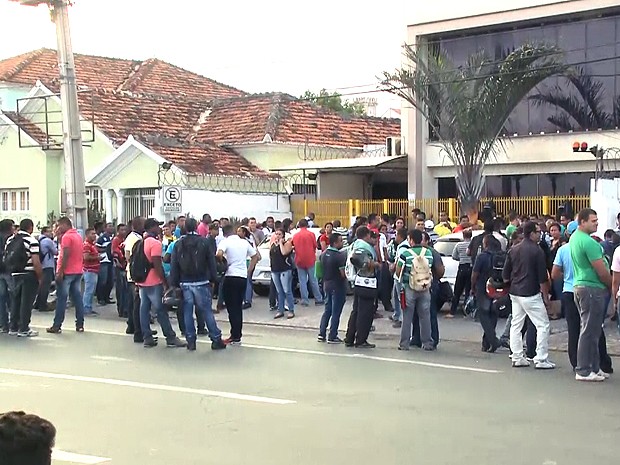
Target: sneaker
[(232, 342), (603, 374), (191, 345), (592, 377), (403, 348), (150, 342), (218, 345), (29, 333), (544, 365), (175, 343), (520, 363), (79, 329), (365, 345), (348, 344), (12, 333), (305, 304), (336, 340), (290, 315), (247, 305), (321, 338), (429, 347), (54, 330), (278, 315), (397, 324), (318, 304), (92, 313)]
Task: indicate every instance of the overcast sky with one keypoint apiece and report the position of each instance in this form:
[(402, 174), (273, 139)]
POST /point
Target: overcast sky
[(272, 45)]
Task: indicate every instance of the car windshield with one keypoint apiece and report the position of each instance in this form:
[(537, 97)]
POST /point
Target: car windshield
[(446, 247)]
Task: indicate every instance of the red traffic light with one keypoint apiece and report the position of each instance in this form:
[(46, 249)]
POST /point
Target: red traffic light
[(576, 146), (580, 146), (584, 146)]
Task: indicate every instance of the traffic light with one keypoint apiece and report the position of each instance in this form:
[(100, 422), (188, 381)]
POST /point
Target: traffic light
[(594, 150)]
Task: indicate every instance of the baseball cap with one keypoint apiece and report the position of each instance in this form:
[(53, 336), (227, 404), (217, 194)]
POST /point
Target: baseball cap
[(572, 227), (428, 224), (150, 222)]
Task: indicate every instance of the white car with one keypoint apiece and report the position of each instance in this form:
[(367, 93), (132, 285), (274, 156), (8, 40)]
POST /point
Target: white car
[(445, 246)]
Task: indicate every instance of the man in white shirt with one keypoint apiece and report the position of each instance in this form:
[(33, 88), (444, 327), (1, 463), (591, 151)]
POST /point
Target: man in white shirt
[(236, 251)]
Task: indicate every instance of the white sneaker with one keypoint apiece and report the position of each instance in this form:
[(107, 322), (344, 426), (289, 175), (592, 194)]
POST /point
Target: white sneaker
[(29, 333), (13, 333), (603, 374), (592, 377), (545, 365), (520, 363)]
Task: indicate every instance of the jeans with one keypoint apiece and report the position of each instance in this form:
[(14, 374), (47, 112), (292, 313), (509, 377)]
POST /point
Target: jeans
[(133, 320), (273, 293), (44, 289), (249, 291), (69, 287), (361, 317), (335, 297), (307, 275), (488, 321), (123, 298), (534, 308), (396, 290), (234, 288), (385, 288), (151, 298), (591, 305), (199, 295), (462, 284), (6, 292), (90, 284), (105, 282), (220, 292), (418, 303), (25, 291), (573, 322), (282, 280)]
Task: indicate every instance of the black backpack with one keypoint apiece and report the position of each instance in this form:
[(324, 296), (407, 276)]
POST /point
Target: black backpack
[(139, 265), (191, 251), (16, 256), (498, 260)]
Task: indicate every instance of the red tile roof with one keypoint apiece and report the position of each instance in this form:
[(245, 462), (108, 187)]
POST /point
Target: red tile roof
[(290, 120), (150, 76), (39, 136)]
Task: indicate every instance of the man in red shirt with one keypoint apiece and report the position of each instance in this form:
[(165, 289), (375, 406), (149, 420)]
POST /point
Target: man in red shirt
[(305, 257), (68, 276), (91, 270), (203, 226)]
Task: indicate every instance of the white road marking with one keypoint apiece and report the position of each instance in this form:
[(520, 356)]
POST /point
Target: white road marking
[(70, 457), (342, 355), (154, 387), (109, 358)]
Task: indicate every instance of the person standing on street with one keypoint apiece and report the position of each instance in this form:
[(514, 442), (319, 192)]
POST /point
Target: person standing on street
[(193, 270), (203, 226), (123, 303), (463, 275), (563, 271), (153, 287), (48, 252), (236, 251), (525, 271), (91, 271), (400, 242), (21, 258), (6, 280), (335, 286), (68, 276), (364, 259), (281, 273), (305, 259), (592, 284), (105, 279), (133, 296)]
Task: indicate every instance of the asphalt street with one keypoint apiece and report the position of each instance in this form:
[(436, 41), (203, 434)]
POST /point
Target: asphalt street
[(282, 398)]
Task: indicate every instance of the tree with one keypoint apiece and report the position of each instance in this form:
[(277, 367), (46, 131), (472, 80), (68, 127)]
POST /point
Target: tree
[(583, 110), (333, 101), (467, 107)]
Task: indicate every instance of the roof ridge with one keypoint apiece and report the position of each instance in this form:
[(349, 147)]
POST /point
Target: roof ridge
[(275, 115), (135, 69)]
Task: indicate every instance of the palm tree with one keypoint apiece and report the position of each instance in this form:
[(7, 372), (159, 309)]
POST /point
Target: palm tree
[(468, 107), (580, 111)]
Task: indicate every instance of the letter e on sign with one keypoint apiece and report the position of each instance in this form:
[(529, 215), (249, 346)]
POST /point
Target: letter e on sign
[(172, 199)]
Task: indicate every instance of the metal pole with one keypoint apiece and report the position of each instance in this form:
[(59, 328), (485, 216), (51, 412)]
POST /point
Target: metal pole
[(75, 188)]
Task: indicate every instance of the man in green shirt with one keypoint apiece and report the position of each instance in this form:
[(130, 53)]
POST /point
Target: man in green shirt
[(592, 283), (512, 225)]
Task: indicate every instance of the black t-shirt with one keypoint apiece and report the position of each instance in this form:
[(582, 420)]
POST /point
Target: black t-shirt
[(525, 269), (279, 262), (333, 261), (475, 246)]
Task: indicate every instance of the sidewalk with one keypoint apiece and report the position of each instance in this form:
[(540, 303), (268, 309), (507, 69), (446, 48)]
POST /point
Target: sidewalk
[(459, 329)]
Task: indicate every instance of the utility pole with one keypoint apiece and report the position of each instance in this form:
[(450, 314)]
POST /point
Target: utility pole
[(75, 184)]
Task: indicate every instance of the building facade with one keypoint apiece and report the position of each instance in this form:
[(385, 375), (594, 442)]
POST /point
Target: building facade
[(538, 160)]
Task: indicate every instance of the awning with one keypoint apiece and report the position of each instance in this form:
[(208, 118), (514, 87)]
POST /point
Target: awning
[(358, 164)]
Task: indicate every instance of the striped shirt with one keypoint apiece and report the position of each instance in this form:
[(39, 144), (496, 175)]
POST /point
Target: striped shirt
[(460, 253), (405, 260), (32, 247)]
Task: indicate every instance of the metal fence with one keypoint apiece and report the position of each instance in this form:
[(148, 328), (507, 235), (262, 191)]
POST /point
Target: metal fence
[(139, 202), (343, 210)]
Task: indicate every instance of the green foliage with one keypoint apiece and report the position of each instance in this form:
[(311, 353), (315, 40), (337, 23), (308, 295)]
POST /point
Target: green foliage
[(467, 107), (334, 101)]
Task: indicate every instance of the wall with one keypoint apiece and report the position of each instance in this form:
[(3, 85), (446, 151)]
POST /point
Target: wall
[(339, 186), (55, 180), (227, 204), (9, 93), (141, 173)]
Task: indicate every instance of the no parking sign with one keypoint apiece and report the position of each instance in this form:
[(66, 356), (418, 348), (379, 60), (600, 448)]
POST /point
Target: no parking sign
[(173, 196)]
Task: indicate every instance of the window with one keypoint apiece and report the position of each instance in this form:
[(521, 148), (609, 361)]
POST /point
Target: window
[(94, 196), (15, 200)]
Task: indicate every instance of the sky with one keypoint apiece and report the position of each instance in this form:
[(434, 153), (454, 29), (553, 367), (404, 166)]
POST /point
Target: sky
[(272, 45)]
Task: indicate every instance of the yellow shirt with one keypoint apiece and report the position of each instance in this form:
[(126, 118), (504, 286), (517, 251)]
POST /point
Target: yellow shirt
[(441, 229)]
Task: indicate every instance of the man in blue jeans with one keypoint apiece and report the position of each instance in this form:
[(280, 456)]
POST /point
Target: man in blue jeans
[(6, 280), (193, 269), (335, 286)]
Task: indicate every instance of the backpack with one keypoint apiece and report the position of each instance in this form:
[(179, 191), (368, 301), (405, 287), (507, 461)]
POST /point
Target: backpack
[(190, 250), (420, 276), (139, 265), (349, 269), (16, 256), (498, 260)]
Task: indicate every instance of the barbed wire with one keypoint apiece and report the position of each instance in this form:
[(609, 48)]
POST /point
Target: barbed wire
[(308, 152)]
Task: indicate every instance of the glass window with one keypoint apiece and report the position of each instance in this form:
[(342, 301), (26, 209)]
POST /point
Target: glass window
[(5, 201), (13, 201)]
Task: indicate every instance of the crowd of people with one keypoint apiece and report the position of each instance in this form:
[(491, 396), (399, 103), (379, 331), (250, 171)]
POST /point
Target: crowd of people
[(533, 266)]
